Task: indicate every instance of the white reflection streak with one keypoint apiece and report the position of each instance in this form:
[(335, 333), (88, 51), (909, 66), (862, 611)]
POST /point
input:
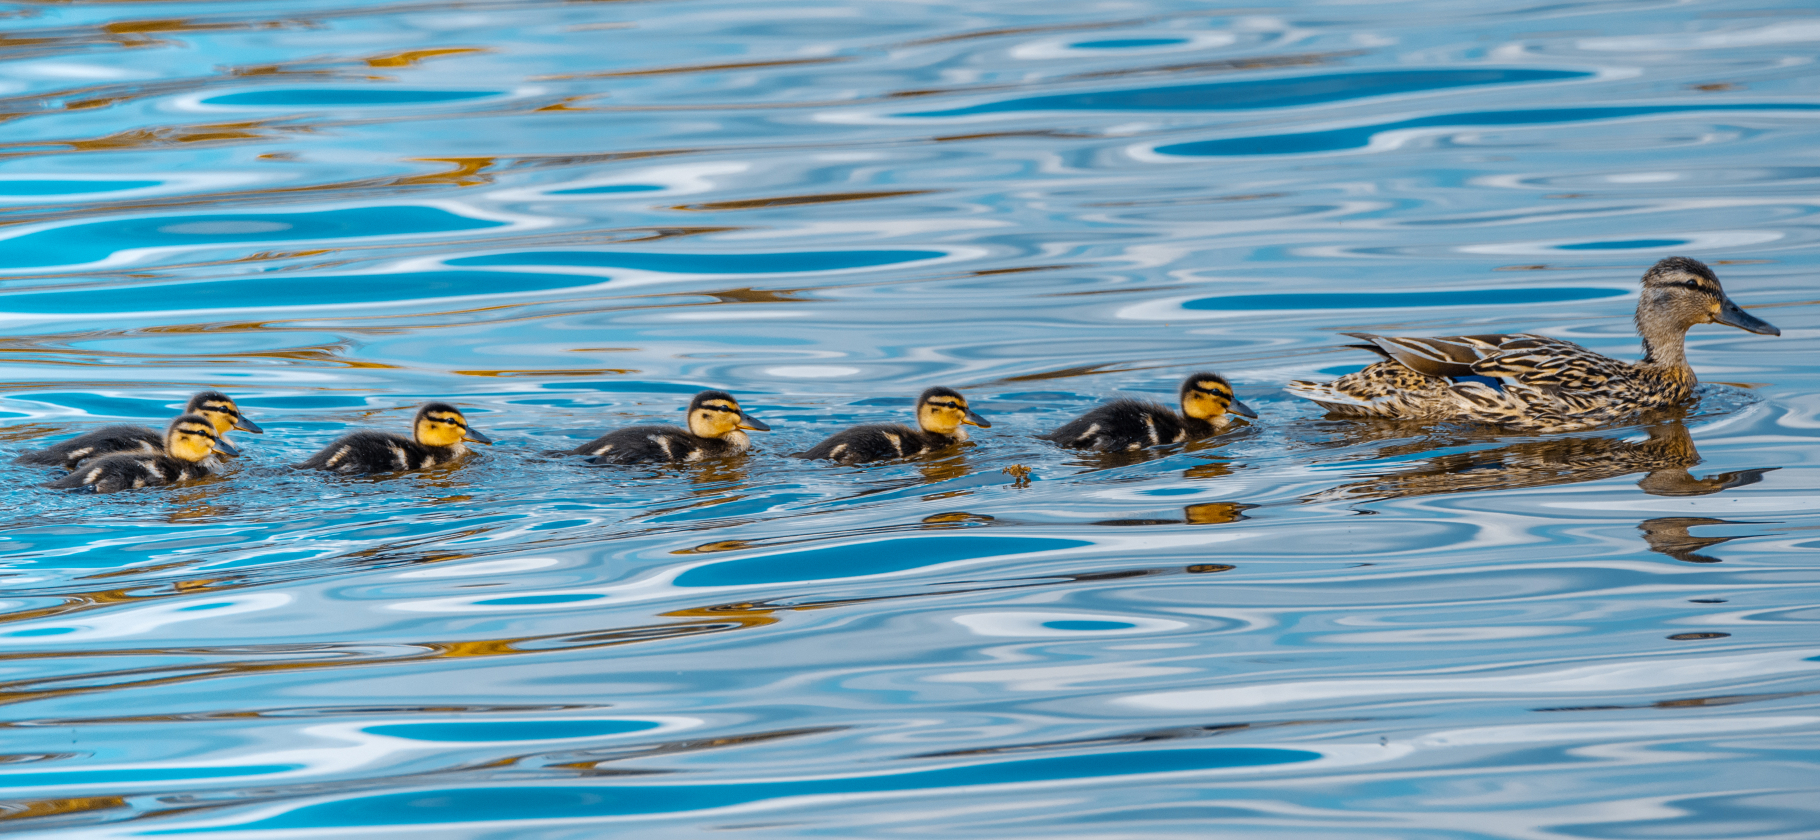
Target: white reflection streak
[(1654, 673)]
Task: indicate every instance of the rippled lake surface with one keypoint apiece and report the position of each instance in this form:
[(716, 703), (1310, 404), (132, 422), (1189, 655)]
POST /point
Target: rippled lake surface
[(569, 216)]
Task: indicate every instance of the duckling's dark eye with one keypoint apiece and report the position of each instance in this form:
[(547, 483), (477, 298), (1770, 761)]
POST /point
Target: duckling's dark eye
[(1692, 284)]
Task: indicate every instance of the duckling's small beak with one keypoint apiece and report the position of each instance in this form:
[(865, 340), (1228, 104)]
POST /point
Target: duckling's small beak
[(222, 446), (976, 420), (1731, 315), (1241, 409), (475, 436), (246, 425), (747, 421)]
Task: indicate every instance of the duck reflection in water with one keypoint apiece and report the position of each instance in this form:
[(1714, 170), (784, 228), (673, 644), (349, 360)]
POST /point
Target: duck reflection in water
[(1668, 535), (1665, 456), (1206, 513), (717, 475)]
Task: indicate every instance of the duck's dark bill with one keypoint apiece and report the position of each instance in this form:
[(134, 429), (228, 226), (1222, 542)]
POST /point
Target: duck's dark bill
[(246, 425), (476, 436), (747, 421), (1732, 316), (1241, 409), (222, 446), (977, 420)]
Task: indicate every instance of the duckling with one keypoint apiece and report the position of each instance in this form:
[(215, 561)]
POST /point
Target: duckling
[(1532, 383), (715, 429), (1123, 425), (217, 407), (940, 412), (188, 453), (437, 435)]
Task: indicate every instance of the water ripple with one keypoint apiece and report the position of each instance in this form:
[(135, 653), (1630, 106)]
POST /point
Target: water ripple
[(569, 217)]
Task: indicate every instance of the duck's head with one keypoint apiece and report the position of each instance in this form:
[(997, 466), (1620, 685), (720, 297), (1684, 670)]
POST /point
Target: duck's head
[(222, 412), (441, 424), (1207, 396), (192, 437), (944, 410), (716, 414), (1680, 292)]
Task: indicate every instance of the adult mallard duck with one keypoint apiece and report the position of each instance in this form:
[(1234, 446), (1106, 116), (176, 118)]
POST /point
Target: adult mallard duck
[(1533, 383), (1123, 425)]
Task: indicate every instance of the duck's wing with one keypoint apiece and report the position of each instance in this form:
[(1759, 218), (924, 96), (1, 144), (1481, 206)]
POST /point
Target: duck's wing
[(1551, 365), (1449, 357)]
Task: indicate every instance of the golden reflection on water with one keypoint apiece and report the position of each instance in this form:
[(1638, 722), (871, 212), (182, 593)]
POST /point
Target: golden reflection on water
[(29, 809)]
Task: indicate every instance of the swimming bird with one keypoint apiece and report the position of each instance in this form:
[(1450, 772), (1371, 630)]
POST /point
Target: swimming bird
[(1123, 425), (187, 453), (716, 425), (1532, 383), (437, 436), (214, 406), (940, 413)]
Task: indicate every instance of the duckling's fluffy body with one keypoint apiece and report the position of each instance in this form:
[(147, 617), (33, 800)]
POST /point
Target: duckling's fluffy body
[(1125, 425), (655, 444), (100, 443), (369, 451), (187, 454), (880, 441), (941, 413), (214, 406), (1533, 383), (131, 471), (715, 430), (438, 432)]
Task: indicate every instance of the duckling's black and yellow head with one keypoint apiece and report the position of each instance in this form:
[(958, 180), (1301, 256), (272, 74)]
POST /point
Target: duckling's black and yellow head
[(944, 410), (1679, 292), (1208, 395), (716, 414), (441, 424), (221, 412), (192, 437)]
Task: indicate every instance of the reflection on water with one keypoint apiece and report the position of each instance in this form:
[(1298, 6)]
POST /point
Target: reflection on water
[(567, 217), (1665, 456)]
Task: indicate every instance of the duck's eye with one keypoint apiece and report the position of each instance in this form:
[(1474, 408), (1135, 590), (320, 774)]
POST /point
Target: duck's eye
[(1692, 284)]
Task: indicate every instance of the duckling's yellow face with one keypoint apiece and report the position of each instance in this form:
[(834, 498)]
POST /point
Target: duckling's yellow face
[(441, 428), (1206, 399), (222, 414), (718, 418), (944, 414), (1210, 398), (191, 440)]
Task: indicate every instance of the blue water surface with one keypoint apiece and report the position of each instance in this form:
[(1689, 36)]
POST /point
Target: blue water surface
[(567, 218)]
